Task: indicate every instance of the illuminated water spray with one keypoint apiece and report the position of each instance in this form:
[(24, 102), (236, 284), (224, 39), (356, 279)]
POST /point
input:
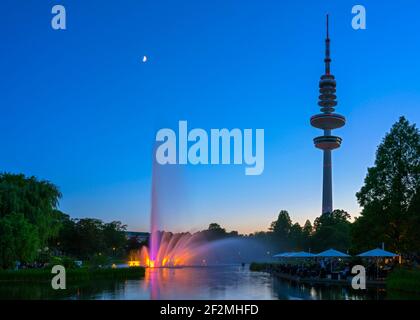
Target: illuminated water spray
[(167, 249)]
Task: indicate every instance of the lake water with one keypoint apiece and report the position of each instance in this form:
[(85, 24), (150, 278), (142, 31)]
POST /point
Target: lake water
[(213, 283)]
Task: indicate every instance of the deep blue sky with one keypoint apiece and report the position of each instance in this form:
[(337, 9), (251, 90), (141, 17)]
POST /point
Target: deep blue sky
[(79, 108)]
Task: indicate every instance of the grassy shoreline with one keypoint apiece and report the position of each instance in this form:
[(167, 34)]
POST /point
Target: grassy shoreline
[(82, 274), (403, 279), (256, 266)]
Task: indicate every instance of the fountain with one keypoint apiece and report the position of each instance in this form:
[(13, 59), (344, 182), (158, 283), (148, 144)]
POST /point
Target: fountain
[(195, 250), (198, 249), (172, 250)]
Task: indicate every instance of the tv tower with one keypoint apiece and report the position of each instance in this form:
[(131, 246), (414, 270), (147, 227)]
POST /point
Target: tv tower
[(327, 121)]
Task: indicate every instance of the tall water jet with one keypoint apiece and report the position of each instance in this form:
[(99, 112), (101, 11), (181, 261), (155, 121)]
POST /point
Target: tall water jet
[(167, 249), (153, 242)]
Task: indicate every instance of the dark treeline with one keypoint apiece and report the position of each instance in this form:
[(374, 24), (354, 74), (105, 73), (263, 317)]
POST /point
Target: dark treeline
[(33, 229), (83, 238), (328, 231), (390, 197), (28, 217), (390, 201)]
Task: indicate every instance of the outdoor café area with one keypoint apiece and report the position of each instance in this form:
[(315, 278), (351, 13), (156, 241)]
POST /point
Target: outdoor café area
[(335, 265)]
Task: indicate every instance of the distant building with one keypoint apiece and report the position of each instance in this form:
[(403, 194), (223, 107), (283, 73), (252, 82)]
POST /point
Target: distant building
[(140, 236)]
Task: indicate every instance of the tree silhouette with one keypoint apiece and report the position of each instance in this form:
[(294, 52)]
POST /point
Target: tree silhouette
[(390, 192)]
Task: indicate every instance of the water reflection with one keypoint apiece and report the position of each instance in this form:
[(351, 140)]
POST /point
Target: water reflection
[(228, 282), (286, 290), (213, 283)]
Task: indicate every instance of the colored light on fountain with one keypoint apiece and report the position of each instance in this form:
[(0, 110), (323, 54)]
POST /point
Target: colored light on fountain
[(171, 250), (134, 263)]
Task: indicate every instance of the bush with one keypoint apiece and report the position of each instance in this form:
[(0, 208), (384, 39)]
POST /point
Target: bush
[(404, 279), (99, 260), (72, 275), (67, 262), (255, 266)]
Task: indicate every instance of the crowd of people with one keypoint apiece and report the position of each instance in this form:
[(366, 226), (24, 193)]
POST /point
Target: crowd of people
[(335, 269)]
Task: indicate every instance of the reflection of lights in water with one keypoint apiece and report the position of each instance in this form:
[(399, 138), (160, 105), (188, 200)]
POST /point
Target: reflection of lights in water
[(159, 282), (345, 294), (313, 292)]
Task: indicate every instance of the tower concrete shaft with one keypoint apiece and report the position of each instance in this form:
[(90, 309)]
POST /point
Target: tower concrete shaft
[(327, 201), (327, 121)]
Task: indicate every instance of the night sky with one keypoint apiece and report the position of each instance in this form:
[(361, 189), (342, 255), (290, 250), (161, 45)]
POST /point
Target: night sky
[(81, 109)]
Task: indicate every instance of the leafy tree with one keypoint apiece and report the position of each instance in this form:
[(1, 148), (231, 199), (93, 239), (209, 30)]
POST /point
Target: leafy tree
[(390, 192), (30, 220), (215, 227), (134, 244), (233, 233), (332, 231), (86, 238), (215, 231), (7, 244), (334, 218), (281, 228), (307, 228), (28, 217), (19, 240), (413, 233), (36, 200), (67, 241), (296, 237), (306, 235), (89, 236), (114, 236)]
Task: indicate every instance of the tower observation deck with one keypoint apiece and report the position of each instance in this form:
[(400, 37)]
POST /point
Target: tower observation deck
[(328, 120)]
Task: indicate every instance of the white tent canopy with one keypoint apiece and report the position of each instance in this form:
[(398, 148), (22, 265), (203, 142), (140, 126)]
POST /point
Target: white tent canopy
[(377, 253), (332, 253)]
